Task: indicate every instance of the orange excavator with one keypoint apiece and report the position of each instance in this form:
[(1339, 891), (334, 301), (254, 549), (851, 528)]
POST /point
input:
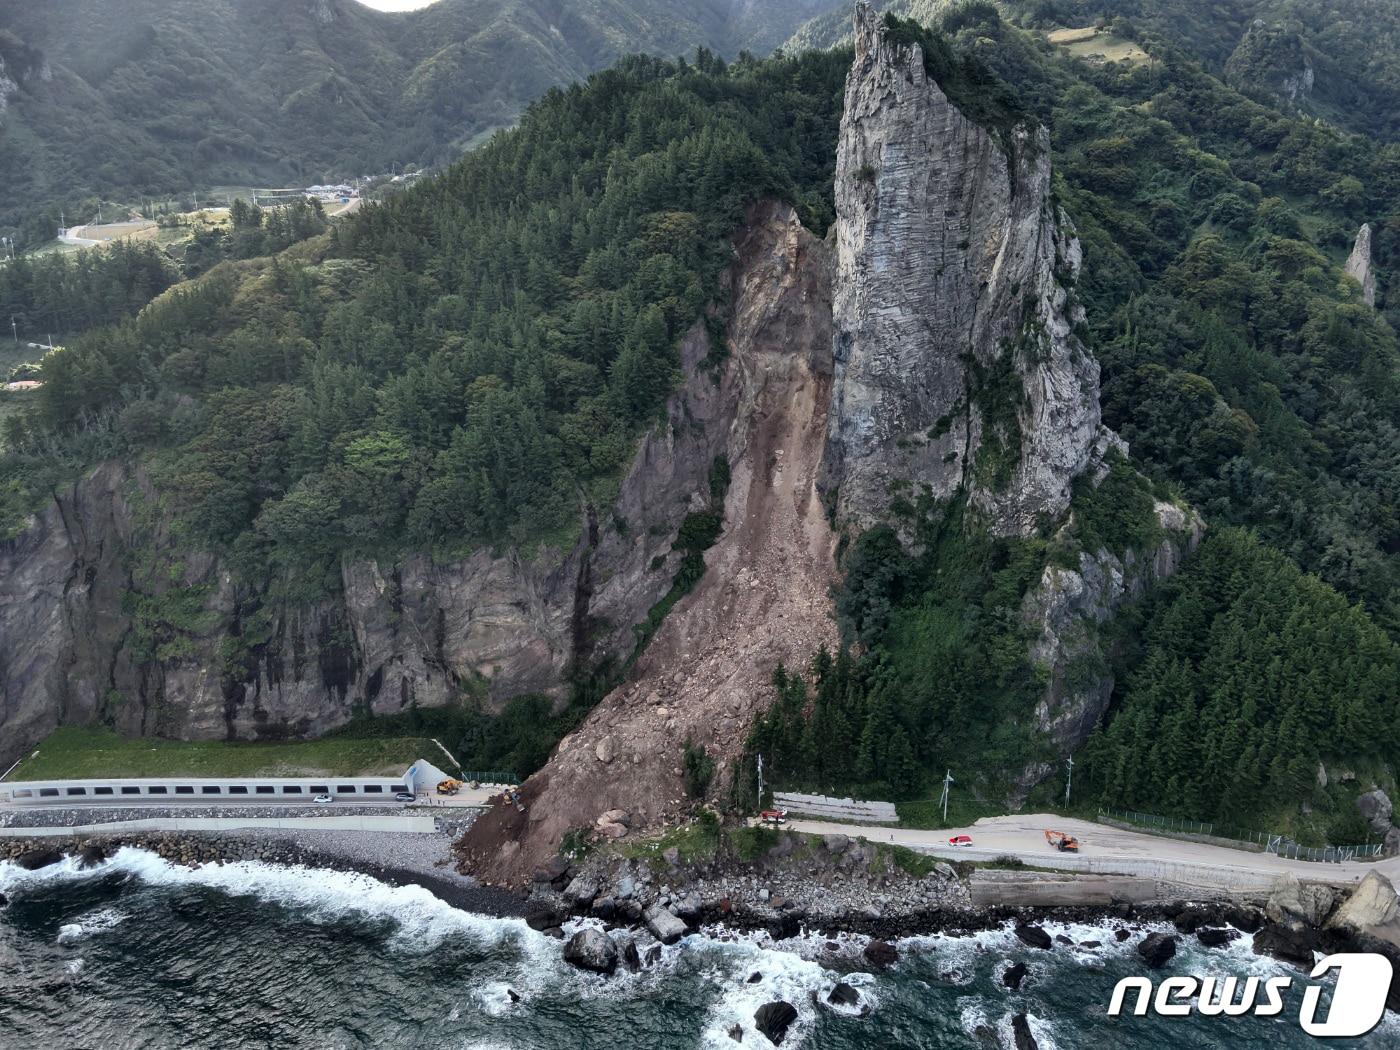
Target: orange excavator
[(1062, 842)]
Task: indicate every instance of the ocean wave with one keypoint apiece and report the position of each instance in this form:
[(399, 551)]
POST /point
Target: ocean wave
[(421, 920), (784, 975), (95, 922)]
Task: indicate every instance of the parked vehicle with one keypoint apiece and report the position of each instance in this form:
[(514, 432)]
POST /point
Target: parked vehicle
[(406, 796), (773, 816), (323, 800), (449, 787), (960, 840)]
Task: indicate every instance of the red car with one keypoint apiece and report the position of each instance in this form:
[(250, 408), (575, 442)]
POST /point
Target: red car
[(960, 840), (773, 816)]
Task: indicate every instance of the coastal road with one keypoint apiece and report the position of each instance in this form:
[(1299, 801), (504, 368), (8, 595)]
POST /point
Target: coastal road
[(1104, 850)]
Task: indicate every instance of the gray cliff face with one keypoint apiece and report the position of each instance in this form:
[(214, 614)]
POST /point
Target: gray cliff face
[(101, 618), (1065, 613), (1359, 266), (950, 307)]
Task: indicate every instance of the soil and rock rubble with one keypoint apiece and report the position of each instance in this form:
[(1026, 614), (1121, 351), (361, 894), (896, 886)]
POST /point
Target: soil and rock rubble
[(764, 597)]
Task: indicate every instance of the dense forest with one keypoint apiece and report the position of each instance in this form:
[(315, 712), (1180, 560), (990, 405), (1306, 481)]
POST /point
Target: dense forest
[(453, 367), (462, 365), (1247, 376)]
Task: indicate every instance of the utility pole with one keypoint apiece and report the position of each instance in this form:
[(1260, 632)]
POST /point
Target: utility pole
[(1069, 779), (947, 781), (15, 329), (760, 780)]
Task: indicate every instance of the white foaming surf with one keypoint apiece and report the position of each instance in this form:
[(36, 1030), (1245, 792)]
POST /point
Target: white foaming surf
[(422, 921)]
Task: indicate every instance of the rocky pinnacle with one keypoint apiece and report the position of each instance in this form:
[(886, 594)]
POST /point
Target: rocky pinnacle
[(956, 364)]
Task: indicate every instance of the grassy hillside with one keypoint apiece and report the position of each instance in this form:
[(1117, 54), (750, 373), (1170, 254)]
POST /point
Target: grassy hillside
[(125, 99)]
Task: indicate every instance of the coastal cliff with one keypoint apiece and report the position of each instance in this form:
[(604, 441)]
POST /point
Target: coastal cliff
[(105, 617)]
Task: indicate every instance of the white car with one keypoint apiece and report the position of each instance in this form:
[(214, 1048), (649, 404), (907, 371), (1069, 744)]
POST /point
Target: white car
[(405, 796), (323, 800)]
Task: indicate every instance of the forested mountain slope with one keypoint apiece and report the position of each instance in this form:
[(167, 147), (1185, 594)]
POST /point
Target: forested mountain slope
[(1334, 59), (121, 99), (441, 461)]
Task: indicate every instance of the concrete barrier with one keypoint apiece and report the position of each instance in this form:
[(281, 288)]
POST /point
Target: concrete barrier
[(836, 808), (399, 824)]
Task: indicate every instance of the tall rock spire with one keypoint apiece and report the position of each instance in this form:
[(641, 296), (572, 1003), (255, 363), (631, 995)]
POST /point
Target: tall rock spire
[(957, 366), (1359, 265)]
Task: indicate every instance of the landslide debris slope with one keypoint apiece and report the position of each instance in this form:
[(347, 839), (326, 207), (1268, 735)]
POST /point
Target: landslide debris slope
[(934, 351), (764, 598)]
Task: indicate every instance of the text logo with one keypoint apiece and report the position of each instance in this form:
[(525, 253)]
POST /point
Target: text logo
[(1358, 1001)]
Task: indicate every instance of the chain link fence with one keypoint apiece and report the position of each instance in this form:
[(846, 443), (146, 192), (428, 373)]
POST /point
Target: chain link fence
[(1278, 845)]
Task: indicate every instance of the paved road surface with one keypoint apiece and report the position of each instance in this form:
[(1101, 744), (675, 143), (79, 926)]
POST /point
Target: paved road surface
[(1106, 849)]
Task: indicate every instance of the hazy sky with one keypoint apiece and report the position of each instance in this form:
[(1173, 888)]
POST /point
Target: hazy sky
[(397, 5)]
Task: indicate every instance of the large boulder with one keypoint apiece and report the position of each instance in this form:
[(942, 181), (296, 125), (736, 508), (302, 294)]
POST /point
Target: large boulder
[(1014, 975), (91, 855), (1021, 1029), (774, 1019), (1296, 904), (1287, 943), (664, 926), (1157, 949), (1216, 936), (541, 914), (1375, 807), (591, 950), (881, 953), (41, 857), (1034, 936), (1372, 910)]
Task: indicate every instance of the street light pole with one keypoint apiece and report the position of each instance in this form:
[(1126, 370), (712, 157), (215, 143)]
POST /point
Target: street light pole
[(1069, 779), (947, 780)]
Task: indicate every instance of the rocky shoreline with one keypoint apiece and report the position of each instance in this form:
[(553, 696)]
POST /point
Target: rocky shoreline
[(395, 859), (852, 892)]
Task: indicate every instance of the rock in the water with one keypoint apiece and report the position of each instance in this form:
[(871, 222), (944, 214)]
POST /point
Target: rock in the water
[(1121, 935), (754, 977), (664, 926), (1215, 936), (513, 995), (540, 914), (1034, 936), (604, 908), (784, 926), (42, 857), (630, 957), (881, 953), (91, 855), (774, 1019), (1021, 1029), (591, 950), (1286, 943), (736, 1032), (1014, 975), (1157, 949), (843, 995), (1245, 919)]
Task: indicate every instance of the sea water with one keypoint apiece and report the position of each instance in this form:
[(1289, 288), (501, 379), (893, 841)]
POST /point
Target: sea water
[(141, 954)]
